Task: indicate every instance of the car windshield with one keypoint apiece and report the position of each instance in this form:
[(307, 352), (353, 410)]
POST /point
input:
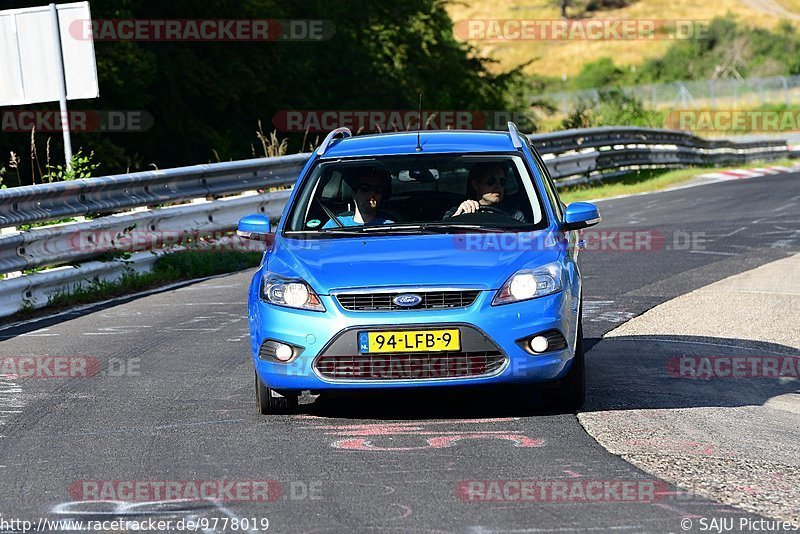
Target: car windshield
[(417, 194)]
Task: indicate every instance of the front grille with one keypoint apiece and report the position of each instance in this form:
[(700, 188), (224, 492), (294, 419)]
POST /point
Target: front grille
[(429, 365), (431, 300)]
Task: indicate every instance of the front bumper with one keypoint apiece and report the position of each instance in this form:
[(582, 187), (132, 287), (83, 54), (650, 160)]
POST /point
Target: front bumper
[(501, 327)]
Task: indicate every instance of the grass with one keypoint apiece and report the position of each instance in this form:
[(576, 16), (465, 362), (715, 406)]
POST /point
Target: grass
[(562, 57), (790, 5), (41, 224), (645, 181), (169, 268)]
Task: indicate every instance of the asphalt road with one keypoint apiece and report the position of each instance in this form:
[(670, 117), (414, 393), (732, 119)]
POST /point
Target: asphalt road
[(174, 403)]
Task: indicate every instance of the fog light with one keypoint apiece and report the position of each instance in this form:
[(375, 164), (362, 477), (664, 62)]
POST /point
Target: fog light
[(284, 352), (539, 344)]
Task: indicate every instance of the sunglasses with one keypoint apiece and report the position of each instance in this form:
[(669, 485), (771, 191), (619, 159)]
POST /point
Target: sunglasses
[(365, 188), (492, 180)]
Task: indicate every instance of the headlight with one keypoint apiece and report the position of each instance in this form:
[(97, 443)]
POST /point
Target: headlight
[(529, 284), (289, 292)]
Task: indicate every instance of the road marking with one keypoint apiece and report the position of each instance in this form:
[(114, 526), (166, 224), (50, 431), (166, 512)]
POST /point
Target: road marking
[(437, 442), (357, 437), (11, 402), (42, 332), (486, 530), (791, 205), (116, 330), (712, 252), (729, 234), (204, 287), (172, 304)]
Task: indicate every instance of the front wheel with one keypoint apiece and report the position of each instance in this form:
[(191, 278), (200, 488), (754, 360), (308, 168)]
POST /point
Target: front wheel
[(570, 394), (268, 404)]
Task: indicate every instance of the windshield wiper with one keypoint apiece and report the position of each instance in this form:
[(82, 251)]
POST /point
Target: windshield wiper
[(361, 229), (429, 228), (341, 230), (444, 227)]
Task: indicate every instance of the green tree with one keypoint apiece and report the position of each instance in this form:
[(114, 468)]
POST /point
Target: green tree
[(208, 97)]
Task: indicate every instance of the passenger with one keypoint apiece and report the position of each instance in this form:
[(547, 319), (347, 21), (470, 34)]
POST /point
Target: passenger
[(487, 182), (370, 186)]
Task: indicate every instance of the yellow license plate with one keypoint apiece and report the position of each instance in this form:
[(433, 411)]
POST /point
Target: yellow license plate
[(410, 341)]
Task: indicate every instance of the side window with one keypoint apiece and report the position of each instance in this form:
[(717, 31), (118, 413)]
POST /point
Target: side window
[(549, 185)]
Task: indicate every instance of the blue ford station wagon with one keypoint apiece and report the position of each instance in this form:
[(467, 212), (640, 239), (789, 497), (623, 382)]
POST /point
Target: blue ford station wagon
[(417, 260)]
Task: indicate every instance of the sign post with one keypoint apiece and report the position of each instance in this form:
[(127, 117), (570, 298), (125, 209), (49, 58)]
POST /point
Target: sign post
[(62, 88), (44, 59)]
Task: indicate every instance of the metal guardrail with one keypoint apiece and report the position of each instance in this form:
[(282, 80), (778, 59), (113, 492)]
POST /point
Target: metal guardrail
[(585, 155), (110, 194), (134, 212)]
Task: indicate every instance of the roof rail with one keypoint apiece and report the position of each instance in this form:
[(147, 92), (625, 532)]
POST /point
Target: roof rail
[(516, 140), (344, 132)]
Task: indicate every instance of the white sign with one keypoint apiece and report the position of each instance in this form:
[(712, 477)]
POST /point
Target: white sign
[(29, 66)]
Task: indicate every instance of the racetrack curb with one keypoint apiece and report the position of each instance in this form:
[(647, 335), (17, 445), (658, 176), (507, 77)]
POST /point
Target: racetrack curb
[(731, 437)]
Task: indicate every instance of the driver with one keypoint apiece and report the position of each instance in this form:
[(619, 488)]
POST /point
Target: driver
[(488, 183), (370, 186)]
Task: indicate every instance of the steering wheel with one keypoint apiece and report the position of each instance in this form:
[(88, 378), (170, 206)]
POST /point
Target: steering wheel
[(492, 209)]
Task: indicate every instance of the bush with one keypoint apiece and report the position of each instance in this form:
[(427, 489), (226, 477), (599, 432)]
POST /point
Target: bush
[(726, 50), (604, 5), (600, 73), (614, 108), (81, 167)]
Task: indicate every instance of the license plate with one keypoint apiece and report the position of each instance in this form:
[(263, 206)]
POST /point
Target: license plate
[(410, 341)]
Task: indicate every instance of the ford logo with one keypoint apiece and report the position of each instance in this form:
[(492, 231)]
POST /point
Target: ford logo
[(407, 300)]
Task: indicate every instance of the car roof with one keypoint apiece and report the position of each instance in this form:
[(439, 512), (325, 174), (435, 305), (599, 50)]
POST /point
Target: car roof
[(432, 142)]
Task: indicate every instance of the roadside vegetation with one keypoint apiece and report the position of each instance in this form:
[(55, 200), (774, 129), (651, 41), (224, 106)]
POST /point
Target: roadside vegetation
[(730, 49), (614, 108), (557, 58), (206, 98)]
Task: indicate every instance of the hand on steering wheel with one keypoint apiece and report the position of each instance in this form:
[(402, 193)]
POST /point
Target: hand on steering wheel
[(473, 206), (468, 206)]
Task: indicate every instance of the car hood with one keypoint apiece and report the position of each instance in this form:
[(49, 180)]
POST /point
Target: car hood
[(477, 260)]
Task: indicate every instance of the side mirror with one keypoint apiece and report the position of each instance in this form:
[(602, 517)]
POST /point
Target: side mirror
[(256, 226), (580, 215)]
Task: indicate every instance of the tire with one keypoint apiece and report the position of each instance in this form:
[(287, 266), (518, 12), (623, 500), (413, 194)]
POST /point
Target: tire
[(570, 394), (269, 405)]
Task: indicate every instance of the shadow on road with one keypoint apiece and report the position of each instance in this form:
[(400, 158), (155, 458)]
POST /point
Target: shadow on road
[(413, 404), (642, 372), (622, 373)]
